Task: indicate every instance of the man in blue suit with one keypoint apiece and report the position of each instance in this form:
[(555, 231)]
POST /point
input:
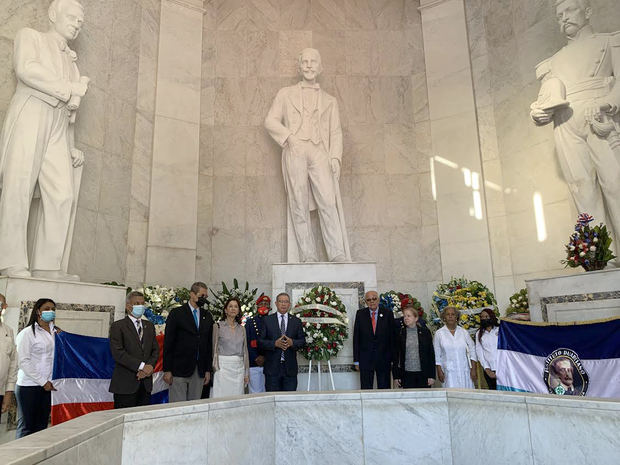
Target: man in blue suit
[(280, 338), (373, 335)]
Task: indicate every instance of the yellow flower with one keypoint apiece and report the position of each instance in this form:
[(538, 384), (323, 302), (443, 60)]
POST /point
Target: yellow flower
[(466, 326), (477, 317), (464, 317)]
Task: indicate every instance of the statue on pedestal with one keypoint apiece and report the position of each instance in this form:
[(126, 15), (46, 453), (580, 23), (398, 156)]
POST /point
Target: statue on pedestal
[(37, 151), (580, 93), (304, 120)]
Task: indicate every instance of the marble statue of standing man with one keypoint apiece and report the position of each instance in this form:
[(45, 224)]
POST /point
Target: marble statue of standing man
[(580, 93), (305, 122), (37, 145)]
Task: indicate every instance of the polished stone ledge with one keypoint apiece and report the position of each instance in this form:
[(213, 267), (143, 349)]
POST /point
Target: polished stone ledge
[(402, 426)]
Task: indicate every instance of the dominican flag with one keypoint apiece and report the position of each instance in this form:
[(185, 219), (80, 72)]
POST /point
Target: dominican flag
[(83, 367), (578, 359)]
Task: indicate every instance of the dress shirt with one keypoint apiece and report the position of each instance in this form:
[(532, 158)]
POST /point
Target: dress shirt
[(487, 349), (135, 325), (35, 352)]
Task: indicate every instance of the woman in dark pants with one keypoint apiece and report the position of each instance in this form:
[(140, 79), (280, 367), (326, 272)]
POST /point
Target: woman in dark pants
[(35, 351), (414, 365)]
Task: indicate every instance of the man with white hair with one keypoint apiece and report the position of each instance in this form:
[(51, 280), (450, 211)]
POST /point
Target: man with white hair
[(581, 95), (37, 145), (305, 122)]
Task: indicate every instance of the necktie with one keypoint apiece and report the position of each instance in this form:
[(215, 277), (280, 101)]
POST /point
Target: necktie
[(374, 320), (139, 328), (196, 317), (282, 326)]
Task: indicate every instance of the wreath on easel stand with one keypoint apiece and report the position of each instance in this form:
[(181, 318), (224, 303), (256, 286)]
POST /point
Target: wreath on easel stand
[(326, 327)]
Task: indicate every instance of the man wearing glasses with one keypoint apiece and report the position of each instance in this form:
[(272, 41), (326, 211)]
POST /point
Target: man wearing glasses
[(372, 343)]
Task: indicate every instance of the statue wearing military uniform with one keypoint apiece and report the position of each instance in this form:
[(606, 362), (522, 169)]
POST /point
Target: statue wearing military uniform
[(581, 95)]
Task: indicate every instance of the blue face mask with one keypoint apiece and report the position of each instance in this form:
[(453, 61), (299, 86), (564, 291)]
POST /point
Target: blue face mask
[(138, 310), (48, 315)]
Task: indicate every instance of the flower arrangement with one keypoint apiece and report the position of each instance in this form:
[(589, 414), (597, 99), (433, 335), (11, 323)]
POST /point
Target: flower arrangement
[(588, 247), (518, 303), (470, 297), (160, 300), (324, 321), (406, 299), (246, 296), (390, 300)]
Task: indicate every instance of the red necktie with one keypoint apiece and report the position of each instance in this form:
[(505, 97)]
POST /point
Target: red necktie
[(374, 320)]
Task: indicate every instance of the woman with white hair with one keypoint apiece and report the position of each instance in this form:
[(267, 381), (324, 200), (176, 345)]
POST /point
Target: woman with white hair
[(455, 353)]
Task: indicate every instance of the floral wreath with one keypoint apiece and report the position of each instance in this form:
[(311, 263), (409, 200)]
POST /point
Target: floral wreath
[(469, 297), (160, 300), (324, 321), (246, 298), (390, 300)]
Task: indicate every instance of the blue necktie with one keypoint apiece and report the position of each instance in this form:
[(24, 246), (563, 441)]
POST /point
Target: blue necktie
[(195, 311)]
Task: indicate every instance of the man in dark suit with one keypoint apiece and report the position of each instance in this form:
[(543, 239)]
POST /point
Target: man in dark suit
[(373, 335), (280, 338), (188, 347), (252, 333), (135, 351)]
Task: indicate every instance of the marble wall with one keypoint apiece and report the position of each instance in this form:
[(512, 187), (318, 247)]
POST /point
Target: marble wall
[(506, 40), (374, 64), (114, 129)]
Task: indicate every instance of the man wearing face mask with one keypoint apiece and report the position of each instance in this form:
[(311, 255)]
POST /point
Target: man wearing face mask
[(188, 348), (253, 328), (8, 361), (135, 351)]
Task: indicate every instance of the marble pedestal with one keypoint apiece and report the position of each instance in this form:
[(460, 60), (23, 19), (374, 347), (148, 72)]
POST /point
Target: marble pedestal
[(349, 281), (579, 297), (82, 308)]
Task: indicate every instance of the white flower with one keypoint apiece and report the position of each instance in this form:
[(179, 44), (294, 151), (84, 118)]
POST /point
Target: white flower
[(244, 308), (595, 240), (571, 248), (319, 289), (514, 301), (582, 254), (308, 299), (318, 326), (325, 339), (309, 339), (593, 248), (318, 299), (333, 303)]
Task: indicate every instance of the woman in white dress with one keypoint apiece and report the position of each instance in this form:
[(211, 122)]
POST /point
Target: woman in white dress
[(231, 365), (486, 346), (455, 353)]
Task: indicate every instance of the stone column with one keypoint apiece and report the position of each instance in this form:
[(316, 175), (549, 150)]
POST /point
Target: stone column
[(456, 162), (171, 243)]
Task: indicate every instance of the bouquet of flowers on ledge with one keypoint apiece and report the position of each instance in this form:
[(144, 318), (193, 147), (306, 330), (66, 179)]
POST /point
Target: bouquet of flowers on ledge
[(470, 297), (160, 300), (588, 247), (246, 296), (519, 307), (325, 323)]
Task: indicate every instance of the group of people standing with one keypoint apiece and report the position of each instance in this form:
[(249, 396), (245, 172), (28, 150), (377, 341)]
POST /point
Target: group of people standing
[(199, 353), (406, 349)]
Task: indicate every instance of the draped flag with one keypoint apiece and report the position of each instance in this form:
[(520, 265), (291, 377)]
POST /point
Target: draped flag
[(579, 359), (83, 367)]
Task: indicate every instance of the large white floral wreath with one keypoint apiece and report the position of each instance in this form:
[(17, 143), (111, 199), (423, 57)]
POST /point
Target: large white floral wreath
[(325, 323)]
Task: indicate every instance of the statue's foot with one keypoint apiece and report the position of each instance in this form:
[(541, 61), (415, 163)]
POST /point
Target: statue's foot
[(55, 274), (16, 272), (339, 258)]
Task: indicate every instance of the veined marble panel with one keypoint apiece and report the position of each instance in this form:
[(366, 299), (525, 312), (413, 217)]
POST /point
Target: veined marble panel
[(403, 426)]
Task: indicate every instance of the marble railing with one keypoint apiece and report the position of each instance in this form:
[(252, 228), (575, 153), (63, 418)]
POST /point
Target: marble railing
[(378, 427)]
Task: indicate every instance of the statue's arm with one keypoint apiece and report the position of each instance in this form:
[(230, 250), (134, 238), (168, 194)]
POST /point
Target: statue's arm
[(30, 70), (613, 99), (335, 133), (273, 120)]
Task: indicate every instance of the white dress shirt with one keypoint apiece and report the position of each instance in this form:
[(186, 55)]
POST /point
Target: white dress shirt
[(35, 355), (487, 349), (136, 322)]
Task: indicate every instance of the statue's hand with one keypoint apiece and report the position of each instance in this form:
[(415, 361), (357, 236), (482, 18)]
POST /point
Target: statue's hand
[(335, 165), (79, 88), (293, 143), (540, 116), (77, 157)]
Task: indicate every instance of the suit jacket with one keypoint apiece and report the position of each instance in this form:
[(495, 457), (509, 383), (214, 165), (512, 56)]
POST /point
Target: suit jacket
[(252, 331), (373, 351), (268, 335), (285, 114), (185, 346), (427, 352), (128, 353)]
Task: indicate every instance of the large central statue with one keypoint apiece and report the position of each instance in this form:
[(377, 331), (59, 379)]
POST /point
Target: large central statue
[(37, 149), (580, 94), (304, 121)]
